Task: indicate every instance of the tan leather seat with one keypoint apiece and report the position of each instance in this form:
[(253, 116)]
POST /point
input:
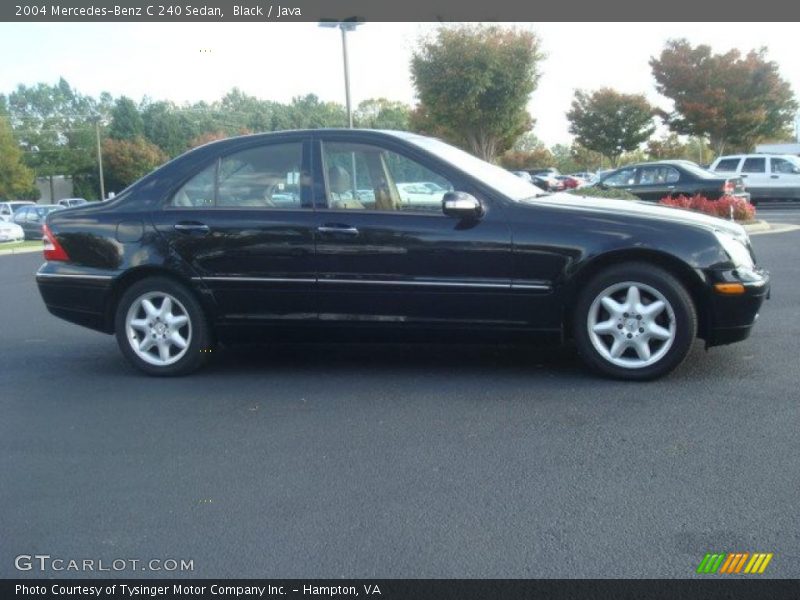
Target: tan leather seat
[(339, 183)]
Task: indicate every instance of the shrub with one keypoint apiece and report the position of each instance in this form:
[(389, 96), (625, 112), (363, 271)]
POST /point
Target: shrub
[(741, 208), (598, 192)]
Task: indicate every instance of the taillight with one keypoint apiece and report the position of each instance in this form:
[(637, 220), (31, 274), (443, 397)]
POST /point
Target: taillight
[(52, 249), (728, 187)]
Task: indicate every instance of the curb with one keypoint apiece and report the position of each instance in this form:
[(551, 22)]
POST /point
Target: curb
[(773, 228), (757, 226), (18, 251)]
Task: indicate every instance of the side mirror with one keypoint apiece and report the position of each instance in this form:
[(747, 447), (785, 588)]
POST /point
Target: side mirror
[(461, 205)]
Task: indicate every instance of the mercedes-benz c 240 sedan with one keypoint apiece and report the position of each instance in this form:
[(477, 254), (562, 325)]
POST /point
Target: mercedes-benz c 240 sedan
[(309, 234)]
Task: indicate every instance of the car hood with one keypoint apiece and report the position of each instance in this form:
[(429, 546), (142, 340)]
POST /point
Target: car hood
[(642, 209)]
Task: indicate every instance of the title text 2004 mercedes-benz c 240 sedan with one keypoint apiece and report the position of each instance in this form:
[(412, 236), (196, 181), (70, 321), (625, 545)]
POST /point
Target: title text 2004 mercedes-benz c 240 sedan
[(315, 231)]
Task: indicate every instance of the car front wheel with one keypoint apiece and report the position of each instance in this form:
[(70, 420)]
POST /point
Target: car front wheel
[(634, 321), (161, 328)]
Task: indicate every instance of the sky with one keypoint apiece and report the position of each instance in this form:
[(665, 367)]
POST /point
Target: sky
[(188, 62)]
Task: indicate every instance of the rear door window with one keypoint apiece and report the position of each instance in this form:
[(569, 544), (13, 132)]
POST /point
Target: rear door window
[(262, 177), (621, 178), (754, 165)]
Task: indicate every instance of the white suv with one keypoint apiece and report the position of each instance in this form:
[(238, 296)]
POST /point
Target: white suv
[(7, 209), (767, 176)]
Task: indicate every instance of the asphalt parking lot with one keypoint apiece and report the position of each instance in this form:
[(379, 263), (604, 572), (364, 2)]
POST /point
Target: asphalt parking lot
[(399, 461)]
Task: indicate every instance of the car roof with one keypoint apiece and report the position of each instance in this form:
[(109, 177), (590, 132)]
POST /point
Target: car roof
[(757, 155), (655, 163)]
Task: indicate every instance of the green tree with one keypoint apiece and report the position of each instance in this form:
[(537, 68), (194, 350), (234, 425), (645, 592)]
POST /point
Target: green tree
[(309, 112), (474, 83), (16, 179), (169, 127), (733, 100), (528, 142), (55, 126), (526, 159), (587, 160), (380, 113), (668, 147), (610, 122), (128, 160), (126, 120)]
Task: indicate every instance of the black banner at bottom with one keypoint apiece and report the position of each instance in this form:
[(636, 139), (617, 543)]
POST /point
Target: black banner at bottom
[(402, 589)]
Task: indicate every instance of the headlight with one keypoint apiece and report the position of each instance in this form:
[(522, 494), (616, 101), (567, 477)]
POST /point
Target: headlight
[(736, 249)]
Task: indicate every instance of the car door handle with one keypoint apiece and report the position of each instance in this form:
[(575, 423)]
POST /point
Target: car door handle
[(743, 176), (774, 176), (191, 227), (345, 229), (670, 187)]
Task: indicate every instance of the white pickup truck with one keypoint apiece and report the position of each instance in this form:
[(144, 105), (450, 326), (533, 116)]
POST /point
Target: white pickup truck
[(767, 176)]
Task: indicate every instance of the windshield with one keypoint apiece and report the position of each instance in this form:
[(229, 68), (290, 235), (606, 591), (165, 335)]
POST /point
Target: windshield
[(503, 181)]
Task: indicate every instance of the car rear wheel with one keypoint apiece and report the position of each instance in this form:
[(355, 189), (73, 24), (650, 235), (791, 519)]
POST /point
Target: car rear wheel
[(161, 328), (634, 321)]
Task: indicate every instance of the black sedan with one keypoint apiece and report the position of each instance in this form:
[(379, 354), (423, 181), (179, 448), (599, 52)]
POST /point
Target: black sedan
[(656, 180), (269, 236)]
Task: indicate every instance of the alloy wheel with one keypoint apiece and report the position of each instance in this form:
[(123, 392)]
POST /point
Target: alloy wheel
[(631, 325)]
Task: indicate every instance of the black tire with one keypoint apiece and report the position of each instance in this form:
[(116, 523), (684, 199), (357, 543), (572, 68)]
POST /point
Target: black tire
[(662, 282), (200, 342)]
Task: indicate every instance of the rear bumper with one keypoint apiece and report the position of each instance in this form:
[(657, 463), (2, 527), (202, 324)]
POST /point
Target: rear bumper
[(77, 297), (732, 316)]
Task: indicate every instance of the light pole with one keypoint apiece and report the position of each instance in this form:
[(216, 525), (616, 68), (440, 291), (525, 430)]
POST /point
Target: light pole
[(99, 158), (345, 26)]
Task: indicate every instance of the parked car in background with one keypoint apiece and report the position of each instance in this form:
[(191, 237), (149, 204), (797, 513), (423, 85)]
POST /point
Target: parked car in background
[(433, 186), (584, 175), (8, 208), (767, 176), (194, 252), (70, 202), (570, 182), (547, 180), (31, 219), (11, 232), (417, 195), (544, 171), (523, 175), (656, 180)]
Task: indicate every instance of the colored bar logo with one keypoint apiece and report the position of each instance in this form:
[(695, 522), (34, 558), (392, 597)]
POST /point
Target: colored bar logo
[(734, 562)]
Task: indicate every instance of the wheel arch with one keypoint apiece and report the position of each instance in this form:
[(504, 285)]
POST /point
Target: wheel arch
[(130, 277), (685, 274)]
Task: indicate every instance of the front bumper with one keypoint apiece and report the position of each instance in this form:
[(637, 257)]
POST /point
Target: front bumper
[(731, 317)]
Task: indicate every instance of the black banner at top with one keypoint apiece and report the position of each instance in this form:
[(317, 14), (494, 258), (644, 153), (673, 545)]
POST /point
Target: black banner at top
[(156, 11)]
